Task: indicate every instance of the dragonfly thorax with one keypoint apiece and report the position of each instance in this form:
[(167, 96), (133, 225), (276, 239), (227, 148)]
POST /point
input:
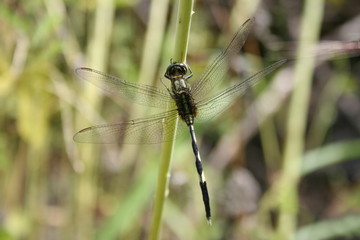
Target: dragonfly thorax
[(177, 74), (181, 91), (179, 86)]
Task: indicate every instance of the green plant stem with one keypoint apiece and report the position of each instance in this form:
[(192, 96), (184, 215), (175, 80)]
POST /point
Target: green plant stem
[(288, 205), (97, 55), (182, 37), (183, 30)]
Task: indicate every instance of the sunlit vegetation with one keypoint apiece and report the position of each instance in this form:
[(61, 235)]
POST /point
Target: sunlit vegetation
[(262, 185)]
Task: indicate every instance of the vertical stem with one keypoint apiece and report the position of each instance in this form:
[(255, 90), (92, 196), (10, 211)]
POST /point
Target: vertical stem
[(97, 55), (181, 45), (288, 205), (183, 30)]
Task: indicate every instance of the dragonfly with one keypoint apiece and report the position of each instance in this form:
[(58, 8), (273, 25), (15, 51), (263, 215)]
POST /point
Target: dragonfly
[(190, 102)]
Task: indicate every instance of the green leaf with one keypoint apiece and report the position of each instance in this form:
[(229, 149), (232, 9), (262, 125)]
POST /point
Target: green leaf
[(348, 226), (329, 155)]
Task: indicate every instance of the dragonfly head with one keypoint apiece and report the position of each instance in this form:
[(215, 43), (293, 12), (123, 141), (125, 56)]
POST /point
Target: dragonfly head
[(175, 70)]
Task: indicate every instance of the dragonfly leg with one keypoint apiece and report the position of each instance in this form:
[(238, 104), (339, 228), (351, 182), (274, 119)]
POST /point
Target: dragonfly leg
[(167, 88), (190, 74), (201, 173)]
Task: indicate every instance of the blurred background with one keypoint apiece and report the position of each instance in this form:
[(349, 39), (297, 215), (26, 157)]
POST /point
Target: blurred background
[(54, 188)]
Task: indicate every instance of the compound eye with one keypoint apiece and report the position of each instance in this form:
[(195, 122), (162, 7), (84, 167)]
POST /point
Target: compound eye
[(180, 70), (176, 71), (183, 70)]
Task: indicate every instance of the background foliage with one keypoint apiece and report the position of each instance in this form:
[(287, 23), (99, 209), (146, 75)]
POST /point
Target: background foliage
[(53, 188)]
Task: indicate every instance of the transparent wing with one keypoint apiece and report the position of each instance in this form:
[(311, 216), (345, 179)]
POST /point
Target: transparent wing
[(138, 93), (214, 73), (211, 107), (138, 131)]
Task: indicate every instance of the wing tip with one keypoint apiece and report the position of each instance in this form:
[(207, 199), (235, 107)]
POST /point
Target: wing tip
[(79, 69), (249, 21), (77, 136)]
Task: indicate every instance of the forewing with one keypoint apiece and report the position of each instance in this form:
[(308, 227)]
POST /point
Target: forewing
[(135, 92), (216, 71), (213, 106), (138, 131)]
